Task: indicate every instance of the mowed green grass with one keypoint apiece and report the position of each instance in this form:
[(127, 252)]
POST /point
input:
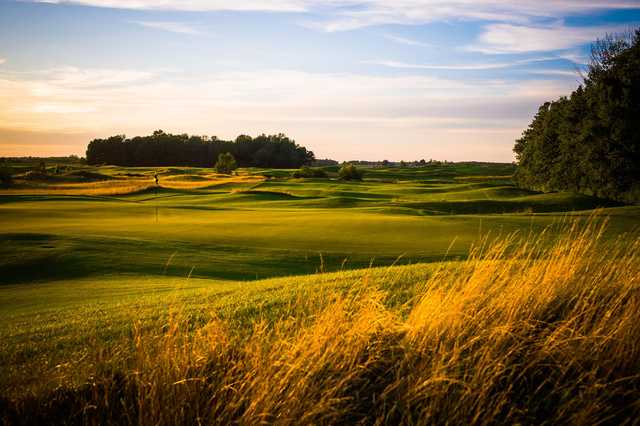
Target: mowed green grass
[(266, 228), (76, 269)]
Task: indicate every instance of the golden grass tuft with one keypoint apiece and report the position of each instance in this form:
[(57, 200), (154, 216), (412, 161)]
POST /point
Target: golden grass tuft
[(527, 330)]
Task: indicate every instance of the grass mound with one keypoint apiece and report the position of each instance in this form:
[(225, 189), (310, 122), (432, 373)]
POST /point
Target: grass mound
[(133, 175), (88, 176), (180, 171), (34, 175), (188, 178), (259, 194), (538, 203), (524, 331)]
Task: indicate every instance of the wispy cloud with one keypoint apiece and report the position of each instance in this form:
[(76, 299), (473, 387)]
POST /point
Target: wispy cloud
[(170, 26), (576, 57), (192, 5), (350, 14), (2, 61), (62, 108), (406, 41), (508, 38), (92, 78), (463, 67), (576, 73), (468, 67)]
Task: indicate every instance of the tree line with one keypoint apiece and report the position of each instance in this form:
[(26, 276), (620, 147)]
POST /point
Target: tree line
[(166, 149), (589, 142)]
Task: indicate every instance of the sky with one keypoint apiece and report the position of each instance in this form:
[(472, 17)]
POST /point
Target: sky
[(349, 79)]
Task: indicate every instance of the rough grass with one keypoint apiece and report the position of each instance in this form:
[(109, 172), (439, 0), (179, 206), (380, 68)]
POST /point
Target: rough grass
[(108, 181), (526, 330)]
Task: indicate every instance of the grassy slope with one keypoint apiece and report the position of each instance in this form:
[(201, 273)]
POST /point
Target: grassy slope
[(546, 334), (78, 266), (58, 323)]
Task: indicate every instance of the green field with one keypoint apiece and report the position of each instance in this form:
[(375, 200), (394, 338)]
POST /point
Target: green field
[(251, 228), (87, 252)]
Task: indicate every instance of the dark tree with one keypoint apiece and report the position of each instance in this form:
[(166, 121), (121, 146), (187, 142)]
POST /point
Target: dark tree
[(589, 142), (165, 149)]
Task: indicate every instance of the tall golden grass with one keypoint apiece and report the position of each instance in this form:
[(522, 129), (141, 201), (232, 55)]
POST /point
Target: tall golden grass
[(527, 330)]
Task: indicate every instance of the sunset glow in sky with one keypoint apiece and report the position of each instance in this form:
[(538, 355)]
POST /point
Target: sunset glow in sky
[(365, 79)]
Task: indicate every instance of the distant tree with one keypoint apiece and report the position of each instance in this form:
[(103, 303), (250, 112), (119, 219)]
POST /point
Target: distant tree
[(403, 164), (226, 163), (324, 162), (385, 163), (244, 139), (165, 149), (350, 172), (422, 162), (308, 172)]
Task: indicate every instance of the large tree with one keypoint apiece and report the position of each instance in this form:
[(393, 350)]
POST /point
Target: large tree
[(590, 141), (226, 163)]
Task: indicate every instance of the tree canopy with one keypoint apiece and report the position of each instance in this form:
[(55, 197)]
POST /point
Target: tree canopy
[(226, 163), (309, 173), (589, 142), (166, 149), (350, 172)]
